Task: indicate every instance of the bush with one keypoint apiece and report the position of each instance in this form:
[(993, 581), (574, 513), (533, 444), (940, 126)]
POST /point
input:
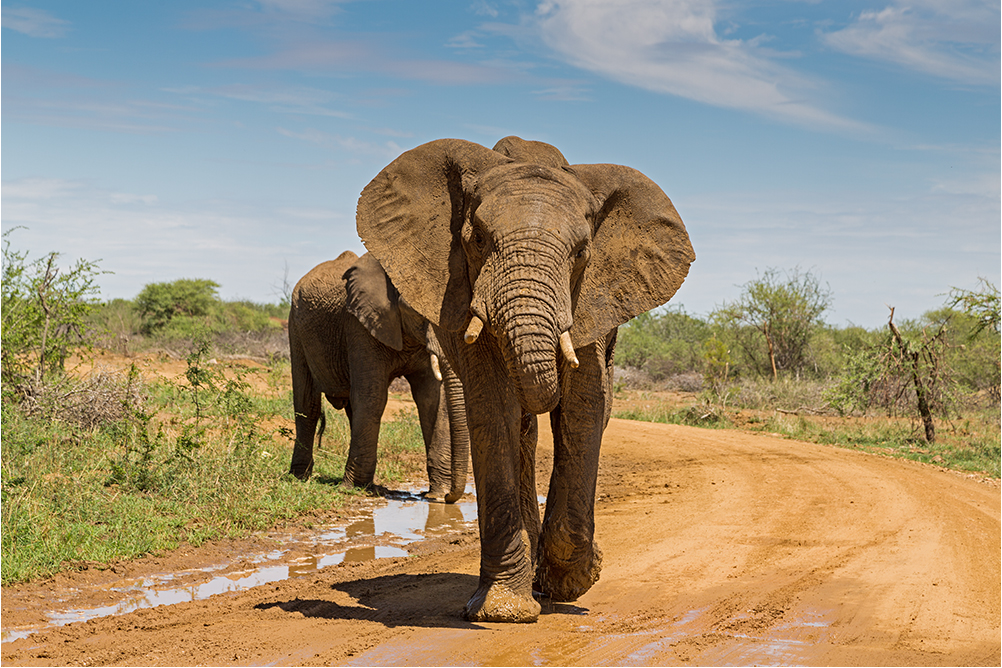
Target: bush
[(235, 328), (42, 316), (159, 303), (663, 344)]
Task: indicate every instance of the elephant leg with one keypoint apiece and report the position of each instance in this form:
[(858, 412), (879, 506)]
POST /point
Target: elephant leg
[(494, 416), (428, 395), (368, 400), (569, 559), (306, 401)]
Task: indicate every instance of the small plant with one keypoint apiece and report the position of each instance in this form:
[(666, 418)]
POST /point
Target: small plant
[(716, 379)]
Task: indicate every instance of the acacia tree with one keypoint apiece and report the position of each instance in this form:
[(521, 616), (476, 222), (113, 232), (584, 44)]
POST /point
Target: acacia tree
[(983, 305), (784, 308), (42, 313), (921, 360)]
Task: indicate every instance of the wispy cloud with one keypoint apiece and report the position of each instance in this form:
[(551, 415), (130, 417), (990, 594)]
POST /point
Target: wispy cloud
[(307, 9), (279, 98), (142, 239), (564, 93), (386, 151), (43, 97), (33, 22), (872, 248), (956, 40), (337, 56), (673, 47)]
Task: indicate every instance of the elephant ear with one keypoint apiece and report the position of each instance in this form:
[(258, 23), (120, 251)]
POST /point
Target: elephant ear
[(410, 217), (374, 301), (640, 251), (537, 152)]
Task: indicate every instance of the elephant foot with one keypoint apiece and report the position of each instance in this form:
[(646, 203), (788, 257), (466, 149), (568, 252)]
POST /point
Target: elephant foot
[(353, 479), (436, 494), (568, 580), (440, 495), (302, 472), (498, 603)]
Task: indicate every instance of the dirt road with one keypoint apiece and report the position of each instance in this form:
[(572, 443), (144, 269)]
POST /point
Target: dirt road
[(720, 548)]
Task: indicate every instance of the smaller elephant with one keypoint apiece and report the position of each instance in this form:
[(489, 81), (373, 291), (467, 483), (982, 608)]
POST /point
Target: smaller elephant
[(350, 335)]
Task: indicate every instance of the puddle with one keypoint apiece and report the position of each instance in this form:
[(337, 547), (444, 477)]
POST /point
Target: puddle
[(401, 518), (787, 644)]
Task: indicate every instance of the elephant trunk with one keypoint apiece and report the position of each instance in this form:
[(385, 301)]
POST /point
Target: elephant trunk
[(459, 433), (527, 326)]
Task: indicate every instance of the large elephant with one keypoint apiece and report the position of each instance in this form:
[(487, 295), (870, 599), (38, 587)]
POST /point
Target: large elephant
[(350, 335), (526, 266)]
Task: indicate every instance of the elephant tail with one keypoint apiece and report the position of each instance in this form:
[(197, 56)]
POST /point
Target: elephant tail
[(323, 425)]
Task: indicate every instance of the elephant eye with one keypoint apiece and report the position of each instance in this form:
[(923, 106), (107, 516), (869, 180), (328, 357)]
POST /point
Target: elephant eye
[(582, 252), (478, 238)]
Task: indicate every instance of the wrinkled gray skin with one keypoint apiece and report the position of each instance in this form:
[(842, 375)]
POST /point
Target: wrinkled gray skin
[(350, 335), (533, 248)]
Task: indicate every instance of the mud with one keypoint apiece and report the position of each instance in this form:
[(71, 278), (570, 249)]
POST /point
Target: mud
[(720, 548)]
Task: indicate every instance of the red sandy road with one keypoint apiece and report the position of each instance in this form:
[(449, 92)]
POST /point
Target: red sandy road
[(721, 547)]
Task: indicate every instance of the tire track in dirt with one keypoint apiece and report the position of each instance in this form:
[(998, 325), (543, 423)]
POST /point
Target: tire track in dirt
[(720, 547)]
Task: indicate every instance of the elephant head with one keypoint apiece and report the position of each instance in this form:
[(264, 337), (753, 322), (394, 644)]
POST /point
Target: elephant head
[(547, 256), (376, 303)]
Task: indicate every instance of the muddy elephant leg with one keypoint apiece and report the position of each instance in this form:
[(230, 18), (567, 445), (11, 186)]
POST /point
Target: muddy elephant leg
[(306, 401), (504, 593), (368, 400), (428, 394), (569, 559)]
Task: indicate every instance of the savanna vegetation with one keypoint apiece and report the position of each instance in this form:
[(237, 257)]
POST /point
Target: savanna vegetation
[(102, 464), (99, 465), (925, 388)]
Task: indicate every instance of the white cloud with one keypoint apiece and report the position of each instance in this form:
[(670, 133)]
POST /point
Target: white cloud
[(465, 40), (33, 22), (872, 249), (244, 247), (484, 8), (38, 189), (956, 40), (672, 47)]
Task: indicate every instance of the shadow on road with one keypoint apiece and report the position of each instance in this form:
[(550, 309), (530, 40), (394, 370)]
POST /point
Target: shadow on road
[(425, 600)]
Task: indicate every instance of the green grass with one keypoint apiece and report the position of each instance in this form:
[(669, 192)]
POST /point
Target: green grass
[(698, 415), (971, 444), (958, 448), (161, 476)]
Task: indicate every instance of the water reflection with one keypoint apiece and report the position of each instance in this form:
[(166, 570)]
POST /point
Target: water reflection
[(395, 522)]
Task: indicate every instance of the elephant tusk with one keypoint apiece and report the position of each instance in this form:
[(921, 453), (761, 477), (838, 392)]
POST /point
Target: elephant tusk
[(435, 368), (473, 331), (567, 348)]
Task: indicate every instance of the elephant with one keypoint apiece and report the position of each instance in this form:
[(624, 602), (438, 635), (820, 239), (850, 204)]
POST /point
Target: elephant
[(350, 335), (525, 266)]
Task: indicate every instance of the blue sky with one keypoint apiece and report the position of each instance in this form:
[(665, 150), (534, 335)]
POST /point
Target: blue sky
[(229, 140)]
